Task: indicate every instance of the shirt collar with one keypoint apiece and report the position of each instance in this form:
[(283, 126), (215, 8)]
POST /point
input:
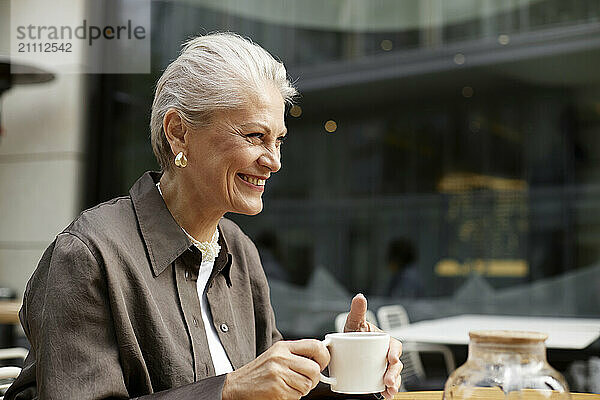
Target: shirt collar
[(163, 237), (222, 262)]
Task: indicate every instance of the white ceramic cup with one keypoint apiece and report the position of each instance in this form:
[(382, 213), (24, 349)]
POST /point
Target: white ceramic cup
[(358, 361)]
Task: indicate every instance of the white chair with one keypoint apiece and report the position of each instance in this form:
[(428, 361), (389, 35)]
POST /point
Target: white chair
[(13, 353), (10, 373), (340, 320), (395, 316), (7, 373)]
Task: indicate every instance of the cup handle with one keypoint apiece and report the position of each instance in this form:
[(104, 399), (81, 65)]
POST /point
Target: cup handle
[(327, 379)]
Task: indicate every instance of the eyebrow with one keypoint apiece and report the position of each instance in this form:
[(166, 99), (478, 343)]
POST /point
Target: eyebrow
[(248, 125)]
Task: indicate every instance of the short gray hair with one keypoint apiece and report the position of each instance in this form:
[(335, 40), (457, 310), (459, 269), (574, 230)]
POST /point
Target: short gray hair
[(213, 72)]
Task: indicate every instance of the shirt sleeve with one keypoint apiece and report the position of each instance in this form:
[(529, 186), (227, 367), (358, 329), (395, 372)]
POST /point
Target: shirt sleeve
[(66, 316)]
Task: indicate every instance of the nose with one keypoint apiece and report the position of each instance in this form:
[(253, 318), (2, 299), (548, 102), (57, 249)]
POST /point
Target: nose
[(271, 159)]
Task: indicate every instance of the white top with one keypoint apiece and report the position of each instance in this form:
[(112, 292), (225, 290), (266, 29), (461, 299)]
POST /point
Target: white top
[(563, 333), (217, 352)]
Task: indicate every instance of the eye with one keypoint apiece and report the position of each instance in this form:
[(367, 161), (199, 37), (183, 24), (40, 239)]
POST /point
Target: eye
[(254, 138), (281, 139)]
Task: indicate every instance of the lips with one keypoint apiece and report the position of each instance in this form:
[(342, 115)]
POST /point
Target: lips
[(253, 179)]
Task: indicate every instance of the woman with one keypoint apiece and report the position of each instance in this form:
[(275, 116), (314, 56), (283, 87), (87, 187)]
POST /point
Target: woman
[(156, 295)]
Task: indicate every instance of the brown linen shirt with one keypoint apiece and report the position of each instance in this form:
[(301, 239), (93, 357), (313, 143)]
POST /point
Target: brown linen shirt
[(112, 310)]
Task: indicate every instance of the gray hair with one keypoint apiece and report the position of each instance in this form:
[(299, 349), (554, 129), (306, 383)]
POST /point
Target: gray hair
[(213, 72)]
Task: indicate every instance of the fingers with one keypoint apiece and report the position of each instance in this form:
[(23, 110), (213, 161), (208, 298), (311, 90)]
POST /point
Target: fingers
[(311, 349), (304, 364), (394, 351), (285, 371), (389, 393), (298, 382), (372, 328), (392, 378), (307, 368), (356, 322)]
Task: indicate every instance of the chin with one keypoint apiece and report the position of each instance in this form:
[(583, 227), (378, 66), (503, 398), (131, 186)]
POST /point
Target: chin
[(250, 210)]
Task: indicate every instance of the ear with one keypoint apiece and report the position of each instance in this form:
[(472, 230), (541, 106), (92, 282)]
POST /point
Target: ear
[(175, 131)]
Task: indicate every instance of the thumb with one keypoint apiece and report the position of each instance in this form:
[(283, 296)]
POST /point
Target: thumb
[(356, 322)]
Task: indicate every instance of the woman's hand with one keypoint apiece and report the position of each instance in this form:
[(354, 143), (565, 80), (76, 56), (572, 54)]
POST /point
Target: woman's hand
[(287, 370), (356, 322)]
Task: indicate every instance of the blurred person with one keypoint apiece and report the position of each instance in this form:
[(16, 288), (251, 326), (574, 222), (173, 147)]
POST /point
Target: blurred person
[(155, 294), (269, 250), (406, 281)]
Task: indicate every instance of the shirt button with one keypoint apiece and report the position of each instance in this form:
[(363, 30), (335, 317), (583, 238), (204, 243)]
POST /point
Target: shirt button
[(187, 275), (224, 328), (195, 322)]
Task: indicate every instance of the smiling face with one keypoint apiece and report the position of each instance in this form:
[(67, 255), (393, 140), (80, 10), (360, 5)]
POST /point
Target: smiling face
[(230, 161)]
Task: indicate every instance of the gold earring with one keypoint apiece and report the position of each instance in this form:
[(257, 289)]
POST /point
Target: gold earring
[(181, 160)]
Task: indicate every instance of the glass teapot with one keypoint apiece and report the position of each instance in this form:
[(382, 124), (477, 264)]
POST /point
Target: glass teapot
[(506, 365)]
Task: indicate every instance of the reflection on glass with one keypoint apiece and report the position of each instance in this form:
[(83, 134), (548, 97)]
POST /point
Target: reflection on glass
[(469, 128)]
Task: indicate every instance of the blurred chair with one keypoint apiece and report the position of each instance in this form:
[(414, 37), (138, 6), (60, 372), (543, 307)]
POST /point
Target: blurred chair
[(340, 320), (9, 374), (413, 373), (14, 353)]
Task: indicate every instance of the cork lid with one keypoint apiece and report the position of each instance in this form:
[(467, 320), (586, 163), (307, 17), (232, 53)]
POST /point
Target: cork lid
[(508, 337)]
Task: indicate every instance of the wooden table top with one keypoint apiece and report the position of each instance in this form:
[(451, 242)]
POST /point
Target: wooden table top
[(9, 312), (491, 395)]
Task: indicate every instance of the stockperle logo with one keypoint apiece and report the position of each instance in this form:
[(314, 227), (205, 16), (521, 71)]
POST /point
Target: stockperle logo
[(82, 36)]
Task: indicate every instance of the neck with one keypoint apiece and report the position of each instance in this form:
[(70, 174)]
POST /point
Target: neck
[(188, 208)]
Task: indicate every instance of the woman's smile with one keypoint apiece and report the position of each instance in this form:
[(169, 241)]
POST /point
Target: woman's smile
[(253, 182)]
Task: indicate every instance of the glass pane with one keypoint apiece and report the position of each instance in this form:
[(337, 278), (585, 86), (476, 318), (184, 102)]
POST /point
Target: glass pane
[(445, 154)]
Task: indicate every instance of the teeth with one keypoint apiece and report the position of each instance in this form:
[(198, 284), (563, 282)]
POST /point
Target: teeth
[(252, 180)]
